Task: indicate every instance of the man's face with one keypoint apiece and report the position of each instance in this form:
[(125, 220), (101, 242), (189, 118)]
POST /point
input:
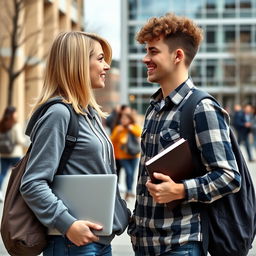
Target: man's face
[(159, 61), (248, 109)]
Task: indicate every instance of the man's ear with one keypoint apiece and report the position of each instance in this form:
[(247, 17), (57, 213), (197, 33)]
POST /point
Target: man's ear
[(179, 56)]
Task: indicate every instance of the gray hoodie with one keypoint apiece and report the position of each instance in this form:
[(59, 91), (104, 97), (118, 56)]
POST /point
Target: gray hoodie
[(92, 154)]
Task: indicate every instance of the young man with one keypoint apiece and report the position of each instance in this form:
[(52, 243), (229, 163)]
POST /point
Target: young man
[(171, 44)]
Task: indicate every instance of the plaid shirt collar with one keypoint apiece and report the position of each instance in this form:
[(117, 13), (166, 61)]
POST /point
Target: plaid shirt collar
[(174, 98)]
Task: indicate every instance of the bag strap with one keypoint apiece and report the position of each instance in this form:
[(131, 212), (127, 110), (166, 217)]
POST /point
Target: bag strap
[(72, 133), (187, 132), (187, 115)]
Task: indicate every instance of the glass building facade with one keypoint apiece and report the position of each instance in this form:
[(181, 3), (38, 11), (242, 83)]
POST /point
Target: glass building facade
[(225, 65)]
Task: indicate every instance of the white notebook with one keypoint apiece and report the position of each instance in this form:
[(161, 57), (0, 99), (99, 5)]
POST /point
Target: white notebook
[(89, 197)]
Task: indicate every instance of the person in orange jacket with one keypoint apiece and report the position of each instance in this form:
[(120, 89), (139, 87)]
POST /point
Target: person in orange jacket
[(119, 138)]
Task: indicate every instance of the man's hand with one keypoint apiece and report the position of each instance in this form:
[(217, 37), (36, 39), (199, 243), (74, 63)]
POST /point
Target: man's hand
[(80, 232), (166, 191)]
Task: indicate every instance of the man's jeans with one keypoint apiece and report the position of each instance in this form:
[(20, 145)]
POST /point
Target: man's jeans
[(188, 249), (61, 246)]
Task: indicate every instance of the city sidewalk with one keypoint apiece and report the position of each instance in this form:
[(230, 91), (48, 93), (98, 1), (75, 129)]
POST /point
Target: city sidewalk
[(121, 244)]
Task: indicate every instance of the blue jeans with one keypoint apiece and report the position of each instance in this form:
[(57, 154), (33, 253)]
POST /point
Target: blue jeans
[(61, 246), (188, 249), (129, 166), (6, 164)]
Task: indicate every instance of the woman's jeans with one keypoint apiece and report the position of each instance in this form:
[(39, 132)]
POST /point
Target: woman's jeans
[(188, 249), (129, 166), (61, 246), (6, 164)]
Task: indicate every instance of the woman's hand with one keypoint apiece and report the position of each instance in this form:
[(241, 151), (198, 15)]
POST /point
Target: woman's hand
[(80, 232)]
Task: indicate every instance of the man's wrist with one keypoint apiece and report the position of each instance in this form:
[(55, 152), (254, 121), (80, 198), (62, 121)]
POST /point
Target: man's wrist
[(180, 191)]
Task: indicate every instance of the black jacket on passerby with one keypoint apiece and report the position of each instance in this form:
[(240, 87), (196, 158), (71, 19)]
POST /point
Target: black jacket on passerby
[(239, 120)]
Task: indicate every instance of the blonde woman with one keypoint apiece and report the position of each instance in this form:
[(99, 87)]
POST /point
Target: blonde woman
[(77, 64)]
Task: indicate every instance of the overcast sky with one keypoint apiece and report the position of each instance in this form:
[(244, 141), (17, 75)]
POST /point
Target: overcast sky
[(103, 17)]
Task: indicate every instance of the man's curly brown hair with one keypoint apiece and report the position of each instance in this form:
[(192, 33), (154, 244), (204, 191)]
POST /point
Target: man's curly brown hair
[(178, 32)]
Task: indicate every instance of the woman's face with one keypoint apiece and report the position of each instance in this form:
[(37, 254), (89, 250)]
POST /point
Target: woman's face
[(125, 120), (98, 67), (15, 116)]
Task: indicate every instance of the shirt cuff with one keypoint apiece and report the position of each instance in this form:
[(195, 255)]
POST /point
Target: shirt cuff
[(191, 190)]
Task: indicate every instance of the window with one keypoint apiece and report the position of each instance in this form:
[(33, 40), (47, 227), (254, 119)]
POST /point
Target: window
[(196, 69), (229, 8), (133, 45), (133, 72), (211, 8), (144, 72), (210, 4), (229, 73), (230, 4), (211, 72), (246, 73), (245, 34), (196, 72), (133, 6), (211, 38), (245, 4), (211, 68), (229, 34)]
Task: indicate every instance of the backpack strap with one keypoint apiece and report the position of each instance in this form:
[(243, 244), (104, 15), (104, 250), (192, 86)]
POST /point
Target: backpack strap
[(187, 116), (72, 133), (187, 132)]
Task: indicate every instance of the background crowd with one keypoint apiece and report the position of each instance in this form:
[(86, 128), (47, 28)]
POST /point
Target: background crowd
[(243, 119), (121, 121)]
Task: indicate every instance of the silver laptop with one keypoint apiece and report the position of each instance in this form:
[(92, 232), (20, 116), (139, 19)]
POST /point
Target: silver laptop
[(89, 197)]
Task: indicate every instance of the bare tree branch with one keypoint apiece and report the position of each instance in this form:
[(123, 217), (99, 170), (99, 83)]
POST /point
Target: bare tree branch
[(18, 13), (7, 9), (28, 37)]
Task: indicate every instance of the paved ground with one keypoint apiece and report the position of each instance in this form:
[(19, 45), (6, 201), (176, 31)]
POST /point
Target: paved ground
[(121, 245)]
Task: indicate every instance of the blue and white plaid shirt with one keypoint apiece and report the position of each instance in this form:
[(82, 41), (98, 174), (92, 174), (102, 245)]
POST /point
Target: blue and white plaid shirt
[(154, 228)]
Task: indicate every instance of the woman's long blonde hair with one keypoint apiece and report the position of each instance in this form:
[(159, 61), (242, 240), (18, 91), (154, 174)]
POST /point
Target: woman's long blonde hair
[(67, 72)]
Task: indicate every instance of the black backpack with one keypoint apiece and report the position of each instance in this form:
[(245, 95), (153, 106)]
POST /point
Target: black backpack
[(228, 224), (22, 233)]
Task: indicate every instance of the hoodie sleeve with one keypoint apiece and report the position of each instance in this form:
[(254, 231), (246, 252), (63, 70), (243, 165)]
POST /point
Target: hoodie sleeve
[(48, 142)]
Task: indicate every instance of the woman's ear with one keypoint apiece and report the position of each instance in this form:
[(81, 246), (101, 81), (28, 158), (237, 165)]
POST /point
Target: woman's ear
[(179, 56)]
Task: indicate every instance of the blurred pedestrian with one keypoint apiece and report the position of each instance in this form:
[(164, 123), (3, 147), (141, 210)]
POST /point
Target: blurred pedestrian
[(243, 125), (119, 139), (114, 118), (112, 121), (10, 127), (253, 128)]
